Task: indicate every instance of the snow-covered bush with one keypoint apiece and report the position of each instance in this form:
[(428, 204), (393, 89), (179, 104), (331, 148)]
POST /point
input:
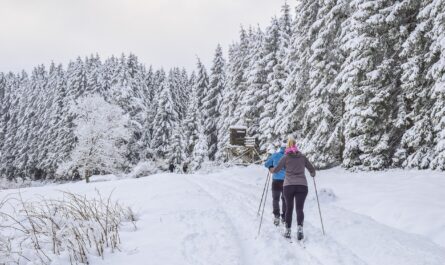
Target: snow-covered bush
[(46, 231), (20, 183), (208, 167), (144, 169)]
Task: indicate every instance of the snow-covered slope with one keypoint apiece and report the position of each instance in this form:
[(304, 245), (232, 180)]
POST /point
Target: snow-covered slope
[(393, 217)]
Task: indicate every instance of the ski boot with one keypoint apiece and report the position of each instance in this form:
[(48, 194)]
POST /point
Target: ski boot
[(300, 235), (276, 221), (287, 233)]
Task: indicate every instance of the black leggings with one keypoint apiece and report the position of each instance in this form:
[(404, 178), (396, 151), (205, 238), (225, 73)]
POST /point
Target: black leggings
[(277, 193), (299, 193)]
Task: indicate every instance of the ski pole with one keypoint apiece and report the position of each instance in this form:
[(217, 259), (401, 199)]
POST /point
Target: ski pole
[(319, 210), (262, 196), (264, 205)]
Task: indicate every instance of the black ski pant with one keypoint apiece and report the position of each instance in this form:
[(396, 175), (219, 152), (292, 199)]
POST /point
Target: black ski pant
[(277, 193), (297, 193)]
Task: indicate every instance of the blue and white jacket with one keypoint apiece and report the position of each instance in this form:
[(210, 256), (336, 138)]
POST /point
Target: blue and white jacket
[(273, 162)]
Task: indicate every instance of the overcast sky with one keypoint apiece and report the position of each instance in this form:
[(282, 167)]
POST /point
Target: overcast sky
[(163, 33)]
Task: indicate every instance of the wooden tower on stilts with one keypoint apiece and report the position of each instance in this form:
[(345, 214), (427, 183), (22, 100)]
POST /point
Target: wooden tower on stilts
[(242, 149)]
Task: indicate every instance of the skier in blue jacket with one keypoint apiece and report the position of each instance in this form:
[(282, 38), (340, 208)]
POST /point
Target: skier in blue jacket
[(277, 184)]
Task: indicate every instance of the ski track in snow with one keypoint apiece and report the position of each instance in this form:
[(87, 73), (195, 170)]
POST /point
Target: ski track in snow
[(211, 219), (219, 216), (352, 238), (325, 251)]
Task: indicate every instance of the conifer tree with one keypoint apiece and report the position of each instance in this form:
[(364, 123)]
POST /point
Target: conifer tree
[(212, 101), (201, 83), (322, 134), (252, 98), (416, 144), (190, 124), (369, 79), (296, 89), (437, 73), (164, 122), (200, 151), (275, 77)]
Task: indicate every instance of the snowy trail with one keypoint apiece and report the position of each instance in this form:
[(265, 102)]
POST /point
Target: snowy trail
[(242, 204), (237, 207), (352, 238), (202, 219)]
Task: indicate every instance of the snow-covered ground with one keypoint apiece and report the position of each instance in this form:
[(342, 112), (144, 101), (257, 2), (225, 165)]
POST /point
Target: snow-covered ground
[(392, 217)]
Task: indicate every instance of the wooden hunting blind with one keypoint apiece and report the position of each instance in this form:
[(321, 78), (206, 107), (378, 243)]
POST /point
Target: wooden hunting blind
[(242, 149), (238, 135)]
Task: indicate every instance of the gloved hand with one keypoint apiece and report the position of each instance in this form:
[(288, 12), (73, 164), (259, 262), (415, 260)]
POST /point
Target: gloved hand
[(271, 170), (313, 175)]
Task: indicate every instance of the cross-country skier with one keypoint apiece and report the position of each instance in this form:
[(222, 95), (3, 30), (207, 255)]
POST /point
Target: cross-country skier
[(277, 184), (295, 184)]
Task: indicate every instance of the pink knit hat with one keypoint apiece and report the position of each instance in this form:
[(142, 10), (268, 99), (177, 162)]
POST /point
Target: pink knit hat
[(292, 149)]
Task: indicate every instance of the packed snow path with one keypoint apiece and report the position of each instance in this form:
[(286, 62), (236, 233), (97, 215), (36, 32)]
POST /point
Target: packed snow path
[(212, 219)]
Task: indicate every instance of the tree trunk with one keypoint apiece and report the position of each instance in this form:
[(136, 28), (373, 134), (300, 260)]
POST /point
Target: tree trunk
[(87, 175)]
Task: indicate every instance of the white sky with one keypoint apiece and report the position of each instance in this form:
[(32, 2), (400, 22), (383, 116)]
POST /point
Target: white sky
[(160, 32)]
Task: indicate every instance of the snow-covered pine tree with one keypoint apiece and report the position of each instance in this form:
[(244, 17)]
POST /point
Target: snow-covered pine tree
[(154, 89), (275, 76), (179, 82), (252, 98), (76, 79), (164, 122), (296, 91), (322, 135), (107, 73), (236, 68), (201, 83), (93, 68), (149, 106), (11, 122), (184, 83), (57, 137), (370, 79), (200, 151), (438, 119), (437, 73), (190, 125), (212, 100), (176, 146), (36, 124), (127, 91), (278, 96), (5, 116), (285, 21), (3, 110), (416, 145), (239, 60), (21, 140), (285, 41)]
